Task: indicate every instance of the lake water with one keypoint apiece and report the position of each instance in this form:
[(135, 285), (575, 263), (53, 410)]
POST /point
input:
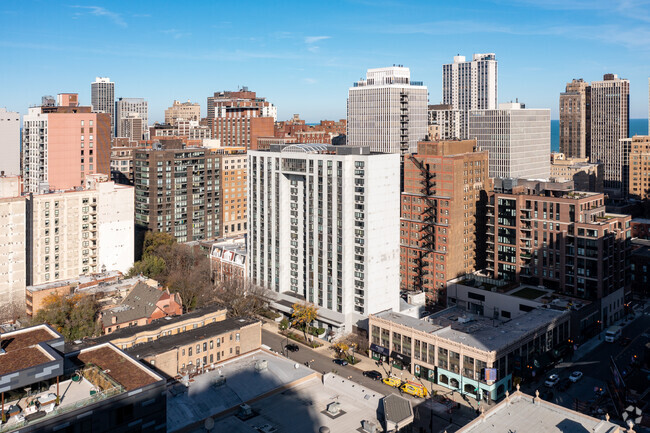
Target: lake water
[(637, 127)]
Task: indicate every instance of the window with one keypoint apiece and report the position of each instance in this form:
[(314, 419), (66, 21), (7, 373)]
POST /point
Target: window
[(237, 336)]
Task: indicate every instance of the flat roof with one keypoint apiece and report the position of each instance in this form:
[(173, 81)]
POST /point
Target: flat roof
[(167, 342), (411, 322), (82, 279), (524, 413), (22, 348)]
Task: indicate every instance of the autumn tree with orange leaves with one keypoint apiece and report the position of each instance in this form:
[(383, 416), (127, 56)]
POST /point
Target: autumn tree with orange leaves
[(74, 317)]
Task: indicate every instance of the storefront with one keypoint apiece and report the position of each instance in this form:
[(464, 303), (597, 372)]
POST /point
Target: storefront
[(401, 362), (424, 373), (379, 353), (485, 391)]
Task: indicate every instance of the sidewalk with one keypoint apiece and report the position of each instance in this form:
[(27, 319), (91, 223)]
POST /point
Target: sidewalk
[(595, 341)]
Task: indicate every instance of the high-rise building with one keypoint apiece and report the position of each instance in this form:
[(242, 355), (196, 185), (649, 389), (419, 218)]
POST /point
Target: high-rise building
[(545, 234), (62, 145), (13, 236), (9, 142), (177, 191), (182, 111), (234, 184), (575, 119), (639, 170), (518, 140), (445, 186), (323, 226), (444, 122), (132, 126), (102, 98), (80, 231), (610, 122), (387, 111), (470, 86), (238, 118), (129, 106)]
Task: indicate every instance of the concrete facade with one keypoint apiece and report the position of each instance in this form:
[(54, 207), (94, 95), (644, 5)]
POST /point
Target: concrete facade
[(183, 111), (102, 98), (323, 227), (13, 236), (9, 142), (585, 175), (129, 106), (387, 111), (446, 122)]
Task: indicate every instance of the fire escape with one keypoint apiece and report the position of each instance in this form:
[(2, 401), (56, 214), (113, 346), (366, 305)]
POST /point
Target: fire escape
[(404, 122), (427, 228)]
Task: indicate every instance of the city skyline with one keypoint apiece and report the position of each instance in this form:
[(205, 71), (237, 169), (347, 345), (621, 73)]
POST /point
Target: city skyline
[(306, 66)]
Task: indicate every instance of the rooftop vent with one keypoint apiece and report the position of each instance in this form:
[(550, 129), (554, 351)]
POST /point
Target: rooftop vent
[(334, 408)]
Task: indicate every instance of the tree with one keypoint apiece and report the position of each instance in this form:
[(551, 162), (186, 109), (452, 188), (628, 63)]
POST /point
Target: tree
[(154, 240), (74, 316), (150, 266), (341, 348), (12, 311), (303, 314), (241, 297)]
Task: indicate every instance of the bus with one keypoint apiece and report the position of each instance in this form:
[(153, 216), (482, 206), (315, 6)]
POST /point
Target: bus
[(613, 333)]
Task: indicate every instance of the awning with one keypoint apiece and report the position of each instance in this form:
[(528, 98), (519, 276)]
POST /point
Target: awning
[(378, 349), (404, 359)]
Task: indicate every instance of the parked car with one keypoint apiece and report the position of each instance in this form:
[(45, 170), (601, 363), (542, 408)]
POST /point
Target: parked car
[(373, 374), (292, 347), (575, 376), (393, 381), (625, 341), (552, 380), (342, 362)]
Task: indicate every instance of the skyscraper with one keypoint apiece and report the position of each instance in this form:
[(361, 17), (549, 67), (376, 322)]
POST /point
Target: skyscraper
[(470, 86), (102, 98), (324, 227), (64, 144), (9, 142), (387, 111), (575, 119), (518, 140), (126, 107), (610, 122)]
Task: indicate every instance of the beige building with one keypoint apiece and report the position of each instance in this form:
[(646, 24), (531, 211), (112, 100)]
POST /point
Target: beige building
[(586, 176), (473, 355), (575, 118), (12, 242), (639, 166), (132, 126), (122, 165), (75, 232), (183, 111), (200, 349)]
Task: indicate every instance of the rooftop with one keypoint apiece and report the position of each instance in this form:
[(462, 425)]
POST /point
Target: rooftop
[(23, 348), (140, 303), (523, 413), (411, 322), (83, 280), (165, 343)]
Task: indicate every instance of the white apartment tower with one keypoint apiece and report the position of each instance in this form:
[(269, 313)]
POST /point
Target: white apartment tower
[(102, 98), (9, 142), (126, 107), (470, 86), (12, 242), (610, 123), (323, 226), (387, 111), (517, 139)]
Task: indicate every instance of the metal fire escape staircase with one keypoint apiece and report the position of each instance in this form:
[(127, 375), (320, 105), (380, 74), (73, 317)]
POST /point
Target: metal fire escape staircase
[(427, 228)]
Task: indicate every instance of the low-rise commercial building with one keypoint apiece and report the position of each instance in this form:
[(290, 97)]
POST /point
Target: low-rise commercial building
[(470, 354), (200, 349)]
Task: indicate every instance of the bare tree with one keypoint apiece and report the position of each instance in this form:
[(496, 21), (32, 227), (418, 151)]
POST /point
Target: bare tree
[(12, 311), (241, 297)]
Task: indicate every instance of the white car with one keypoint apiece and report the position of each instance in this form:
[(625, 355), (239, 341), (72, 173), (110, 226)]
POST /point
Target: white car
[(552, 380), (575, 376)]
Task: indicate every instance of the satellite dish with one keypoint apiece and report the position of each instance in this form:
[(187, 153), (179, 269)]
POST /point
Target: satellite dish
[(209, 424)]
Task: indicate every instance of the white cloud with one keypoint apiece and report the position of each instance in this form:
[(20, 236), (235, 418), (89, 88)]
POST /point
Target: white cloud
[(314, 39), (103, 12), (310, 80), (176, 34)]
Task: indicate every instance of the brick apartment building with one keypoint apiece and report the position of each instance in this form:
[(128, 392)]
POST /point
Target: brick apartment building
[(543, 234), (444, 186), (321, 133), (639, 167)]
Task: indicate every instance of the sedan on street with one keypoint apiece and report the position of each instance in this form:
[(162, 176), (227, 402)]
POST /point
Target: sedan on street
[(341, 362), (373, 374), (575, 376), (552, 380)]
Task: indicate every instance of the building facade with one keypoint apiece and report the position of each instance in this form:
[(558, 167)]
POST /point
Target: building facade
[(518, 140), (77, 232), (234, 184), (130, 106), (102, 98), (177, 191), (639, 166), (575, 119), (561, 240), (387, 111), (585, 175), (190, 111), (132, 127), (9, 142), (62, 145), (470, 86), (445, 186), (446, 122), (228, 260), (323, 228), (13, 236), (610, 122)]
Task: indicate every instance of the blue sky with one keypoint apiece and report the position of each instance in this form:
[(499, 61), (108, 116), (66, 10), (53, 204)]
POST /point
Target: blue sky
[(304, 55)]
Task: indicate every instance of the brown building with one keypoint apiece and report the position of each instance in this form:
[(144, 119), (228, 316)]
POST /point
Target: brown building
[(321, 133), (640, 228), (640, 268), (178, 191), (586, 176), (542, 235), (122, 165), (575, 119), (201, 348), (228, 260), (264, 143), (234, 187), (444, 185), (639, 166)]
